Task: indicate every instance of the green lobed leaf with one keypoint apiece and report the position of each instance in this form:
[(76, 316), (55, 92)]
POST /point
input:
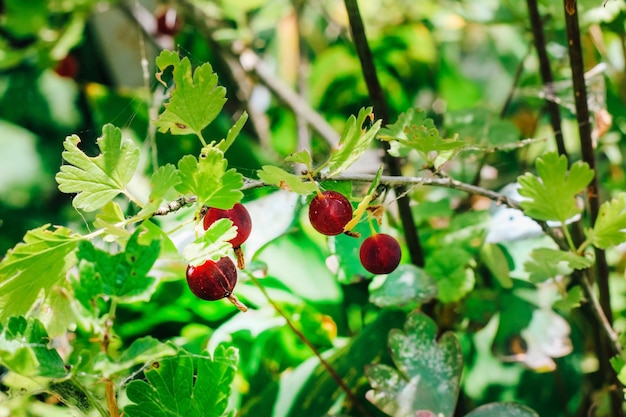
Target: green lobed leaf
[(353, 143), (24, 348), (301, 157), (449, 267), (406, 285), (233, 132), (496, 261), (162, 182), (123, 276), (97, 180), (573, 299), (36, 265), (546, 263), (208, 179), (503, 410), (552, 193), (142, 350), (427, 374), (184, 385), (109, 219), (413, 131), (196, 100), (211, 245), (284, 180), (610, 226)]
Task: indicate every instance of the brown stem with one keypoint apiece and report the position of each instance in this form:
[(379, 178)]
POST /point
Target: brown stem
[(546, 73), (380, 107), (331, 371), (593, 192)]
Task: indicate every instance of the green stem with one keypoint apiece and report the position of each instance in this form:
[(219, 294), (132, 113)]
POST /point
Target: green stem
[(568, 237), (199, 134), (132, 198), (332, 372)]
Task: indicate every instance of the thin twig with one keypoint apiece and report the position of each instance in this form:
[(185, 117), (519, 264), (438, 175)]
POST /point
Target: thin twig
[(331, 371), (593, 193), (382, 110), (539, 39)]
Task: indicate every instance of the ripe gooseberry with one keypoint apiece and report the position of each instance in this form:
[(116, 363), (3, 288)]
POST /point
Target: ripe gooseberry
[(168, 22), (214, 280), (380, 254), (241, 218), (329, 212)]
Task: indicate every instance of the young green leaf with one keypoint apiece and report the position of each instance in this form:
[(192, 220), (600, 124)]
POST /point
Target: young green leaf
[(209, 180), (24, 348), (140, 351), (109, 219), (301, 157), (97, 180), (196, 100), (123, 276), (413, 131), (163, 182), (284, 180), (353, 143), (573, 299), (211, 245), (184, 386), (39, 263), (428, 371), (546, 263), (233, 132), (406, 285), (610, 226), (552, 194)]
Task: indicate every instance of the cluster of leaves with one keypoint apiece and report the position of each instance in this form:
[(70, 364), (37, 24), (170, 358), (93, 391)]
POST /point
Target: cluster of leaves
[(423, 377)]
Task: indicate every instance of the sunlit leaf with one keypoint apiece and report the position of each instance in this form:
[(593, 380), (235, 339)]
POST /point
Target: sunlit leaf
[(552, 193), (97, 180), (162, 182), (301, 157), (196, 99), (233, 132), (184, 386), (546, 263), (140, 351), (24, 348), (284, 180), (353, 143), (208, 179), (33, 266), (109, 219), (428, 371), (610, 226), (414, 131), (211, 245)]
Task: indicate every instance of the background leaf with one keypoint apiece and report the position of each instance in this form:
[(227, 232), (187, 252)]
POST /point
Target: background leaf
[(552, 194), (196, 100), (503, 410), (37, 264), (97, 180), (449, 267), (406, 285), (546, 263), (123, 275), (428, 371), (610, 226), (162, 182), (184, 386)]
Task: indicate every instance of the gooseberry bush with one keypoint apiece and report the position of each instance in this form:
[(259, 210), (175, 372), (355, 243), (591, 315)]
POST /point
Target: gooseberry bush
[(64, 293)]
